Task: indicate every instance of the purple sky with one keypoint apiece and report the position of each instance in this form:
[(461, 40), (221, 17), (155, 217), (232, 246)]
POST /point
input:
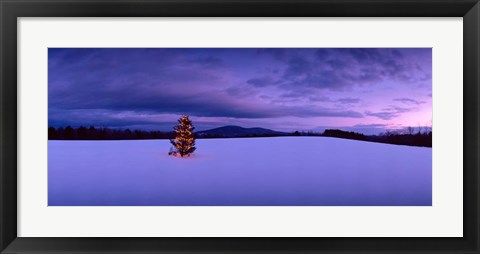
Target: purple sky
[(285, 89)]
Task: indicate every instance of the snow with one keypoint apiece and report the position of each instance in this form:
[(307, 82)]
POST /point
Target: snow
[(275, 171)]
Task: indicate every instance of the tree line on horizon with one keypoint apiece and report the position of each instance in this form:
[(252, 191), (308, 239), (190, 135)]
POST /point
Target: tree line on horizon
[(92, 133), (408, 137)]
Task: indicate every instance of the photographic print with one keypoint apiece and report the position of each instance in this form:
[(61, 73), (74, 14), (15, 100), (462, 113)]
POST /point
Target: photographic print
[(239, 126)]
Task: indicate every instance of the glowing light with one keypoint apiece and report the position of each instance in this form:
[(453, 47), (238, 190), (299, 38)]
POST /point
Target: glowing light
[(184, 141)]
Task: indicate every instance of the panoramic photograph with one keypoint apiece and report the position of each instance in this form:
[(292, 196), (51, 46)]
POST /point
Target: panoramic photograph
[(239, 126)]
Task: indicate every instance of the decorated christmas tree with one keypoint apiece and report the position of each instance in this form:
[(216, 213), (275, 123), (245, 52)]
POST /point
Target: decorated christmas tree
[(184, 142)]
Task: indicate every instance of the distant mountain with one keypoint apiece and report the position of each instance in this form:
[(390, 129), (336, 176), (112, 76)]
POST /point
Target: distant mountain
[(237, 131)]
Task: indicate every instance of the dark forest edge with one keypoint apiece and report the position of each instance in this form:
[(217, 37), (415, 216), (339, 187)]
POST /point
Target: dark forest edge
[(411, 138)]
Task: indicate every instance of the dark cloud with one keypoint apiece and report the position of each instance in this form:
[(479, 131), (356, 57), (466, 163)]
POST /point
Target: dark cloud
[(209, 61), (293, 94), (389, 113), (239, 91), (297, 67), (322, 53), (321, 80), (338, 69), (348, 100), (261, 82), (322, 112), (409, 101), (337, 64), (385, 115), (148, 82), (319, 98), (277, 53)]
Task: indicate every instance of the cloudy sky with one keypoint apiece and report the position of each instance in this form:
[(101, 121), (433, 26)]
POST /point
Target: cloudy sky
[(366, 90)]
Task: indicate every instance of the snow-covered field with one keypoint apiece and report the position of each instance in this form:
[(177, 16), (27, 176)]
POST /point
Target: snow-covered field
[(283, 171)]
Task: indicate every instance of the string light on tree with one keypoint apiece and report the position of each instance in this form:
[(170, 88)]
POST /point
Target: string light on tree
[(184, 142)]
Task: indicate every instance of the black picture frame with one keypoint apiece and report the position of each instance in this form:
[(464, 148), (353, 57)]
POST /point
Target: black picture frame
[(10, 10)]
